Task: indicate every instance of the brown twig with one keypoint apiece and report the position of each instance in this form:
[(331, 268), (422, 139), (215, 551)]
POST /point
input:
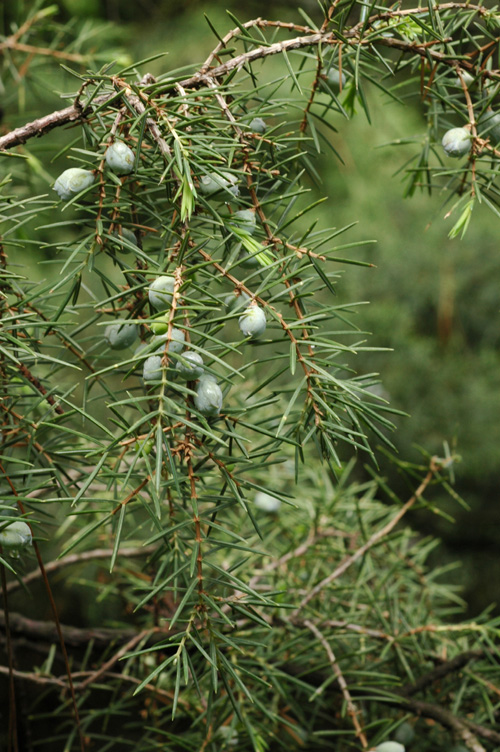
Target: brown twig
[(203, 77), (94, 555), (351, 708)]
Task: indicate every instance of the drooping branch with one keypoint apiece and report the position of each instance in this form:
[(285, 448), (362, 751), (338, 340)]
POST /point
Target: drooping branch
[(372, 541), (78, 111)]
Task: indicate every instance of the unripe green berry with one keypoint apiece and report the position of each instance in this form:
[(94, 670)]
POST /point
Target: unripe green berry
[(177, 341), (266, 502), (160, 324), (15, 535), (208, 398), (144, 447), (121, 335), (190, 366), (160, 292), (389, 747), (252, 322), (244, 219), (213, 184), (456, 142), (258, 125), (152, 369), (73, 181), (120, 158)]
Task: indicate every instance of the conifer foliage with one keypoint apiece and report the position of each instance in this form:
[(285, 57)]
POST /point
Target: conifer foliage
[(186, 444)]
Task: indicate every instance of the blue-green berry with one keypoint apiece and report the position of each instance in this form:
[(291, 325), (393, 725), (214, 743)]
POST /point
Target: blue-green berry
[(190, 366), (120, 158), (252, 322), (404, 733), (208, 398), (73, 181), (121, 335), (160, 292), (244, 219), (258, 125), (152, 369), (215, 183), (176, 344), (456, 142), (333, 77)]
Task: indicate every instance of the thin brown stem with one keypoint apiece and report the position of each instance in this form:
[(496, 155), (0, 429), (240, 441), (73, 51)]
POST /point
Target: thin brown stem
[(351, 707)]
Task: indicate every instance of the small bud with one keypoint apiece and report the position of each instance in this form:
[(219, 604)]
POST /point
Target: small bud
[(120, 158), (252, 322), (160, 292), (73, 181), (456, 142), (120, 335)]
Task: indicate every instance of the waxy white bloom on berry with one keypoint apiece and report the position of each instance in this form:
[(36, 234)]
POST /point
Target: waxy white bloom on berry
[(120, 158), (208, 399), (160, 292), (121, 335), (456, 142), (73, 181), (252, 322)]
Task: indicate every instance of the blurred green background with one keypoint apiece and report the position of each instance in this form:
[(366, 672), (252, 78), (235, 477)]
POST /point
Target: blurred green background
[(433, 301)]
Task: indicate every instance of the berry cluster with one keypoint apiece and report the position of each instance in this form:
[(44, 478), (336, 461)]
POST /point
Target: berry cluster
[(168, 342)]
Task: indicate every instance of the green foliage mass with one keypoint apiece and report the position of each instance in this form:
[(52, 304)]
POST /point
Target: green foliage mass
[(193, 618)]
